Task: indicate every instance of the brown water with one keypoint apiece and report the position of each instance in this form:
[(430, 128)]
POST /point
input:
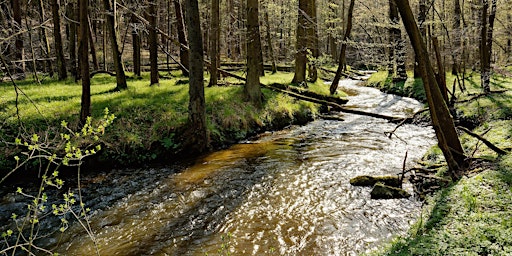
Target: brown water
[(284, 193)]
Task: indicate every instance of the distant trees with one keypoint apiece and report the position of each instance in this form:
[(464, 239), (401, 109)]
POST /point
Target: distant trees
[(57, 38), (486, 35), (214, 42), (342, 59), (153, 42)]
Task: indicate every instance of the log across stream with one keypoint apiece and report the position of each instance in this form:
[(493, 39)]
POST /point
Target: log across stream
[(284, 193)]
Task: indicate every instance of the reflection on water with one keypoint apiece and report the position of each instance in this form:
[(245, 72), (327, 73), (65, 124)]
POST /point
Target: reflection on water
[(285, 193)]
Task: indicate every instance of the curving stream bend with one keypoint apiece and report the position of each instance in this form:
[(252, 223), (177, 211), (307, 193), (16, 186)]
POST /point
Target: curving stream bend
[(283, 193)]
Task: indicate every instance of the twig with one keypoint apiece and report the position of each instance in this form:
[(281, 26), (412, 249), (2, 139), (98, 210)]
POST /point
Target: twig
[(403, 170), (404, 121), (485, 141)]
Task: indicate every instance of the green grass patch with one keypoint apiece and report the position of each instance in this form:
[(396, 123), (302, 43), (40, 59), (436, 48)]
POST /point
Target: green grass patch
[(147, 117), (472, 216), (412, 87)]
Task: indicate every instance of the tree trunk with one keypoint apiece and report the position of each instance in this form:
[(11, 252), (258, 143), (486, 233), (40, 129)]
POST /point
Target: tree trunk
[(441, 73), (422, 17), (269, 42), (198, 137), (332, 25), (486, 35), (456, 49), (397, 51), (18, 43), (153, 43), (301, 44), (72, 14), (184, 54), (447, 137), (57, 39), (313, 41), (84, 61), (92, 47), (252, 89), (114, 43), (44, 38), (214, 42), (136, 46), (346, 36)]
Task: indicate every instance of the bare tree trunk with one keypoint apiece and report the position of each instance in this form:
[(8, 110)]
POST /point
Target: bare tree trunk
[(18, 43), (397, 51), (198, 137), (116, 53), (301, 44), (331, 39), (214, 42), (153, 43), (486, 35), (72, 14), (441, 73), (422, 17), (456, 49), (184, 54), (313, 41), (342, 64), (44, 38), (252, 89), (269, 42), (57, 39), (92, 47), (444, 127), (136, 45), (84, 61)]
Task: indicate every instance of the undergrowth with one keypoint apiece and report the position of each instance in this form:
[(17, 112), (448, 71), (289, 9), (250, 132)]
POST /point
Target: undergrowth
[(472, 215), (148, 118)]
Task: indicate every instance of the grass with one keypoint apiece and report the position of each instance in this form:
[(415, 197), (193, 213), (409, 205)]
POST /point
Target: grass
[(147, 118), (472, 216), (412, 87)]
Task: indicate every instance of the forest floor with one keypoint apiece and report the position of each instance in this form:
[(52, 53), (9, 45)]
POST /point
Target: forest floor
[(148, 119), (473, 215)]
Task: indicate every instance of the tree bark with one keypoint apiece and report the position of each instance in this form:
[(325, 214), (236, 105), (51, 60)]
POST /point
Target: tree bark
[(456, 35), (72, 14), (422, 17), (252, 89), (214, 42), (114, 43), (397, 51), (84, 61), (269, 42), (57, 39), (184, 54), (301, 44), (136, 46), (444, 127), (313, 41), (153, 43), (486, 35), (18, 43), (198, 139), (341, 63), (44, 38)]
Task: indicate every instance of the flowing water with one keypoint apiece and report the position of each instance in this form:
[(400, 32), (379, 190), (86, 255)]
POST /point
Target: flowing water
[(283, 193)]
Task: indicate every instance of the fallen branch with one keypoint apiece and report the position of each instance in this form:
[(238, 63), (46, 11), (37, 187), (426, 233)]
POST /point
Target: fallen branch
[(101, 72), (482, 139), (334, 105), (406, 120), (480, 96)]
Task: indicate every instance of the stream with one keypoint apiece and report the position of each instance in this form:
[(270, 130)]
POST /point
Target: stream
[(282, 193)]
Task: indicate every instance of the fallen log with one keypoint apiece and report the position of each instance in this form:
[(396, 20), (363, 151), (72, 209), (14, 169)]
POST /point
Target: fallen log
[(334, 105), (101, 72)]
